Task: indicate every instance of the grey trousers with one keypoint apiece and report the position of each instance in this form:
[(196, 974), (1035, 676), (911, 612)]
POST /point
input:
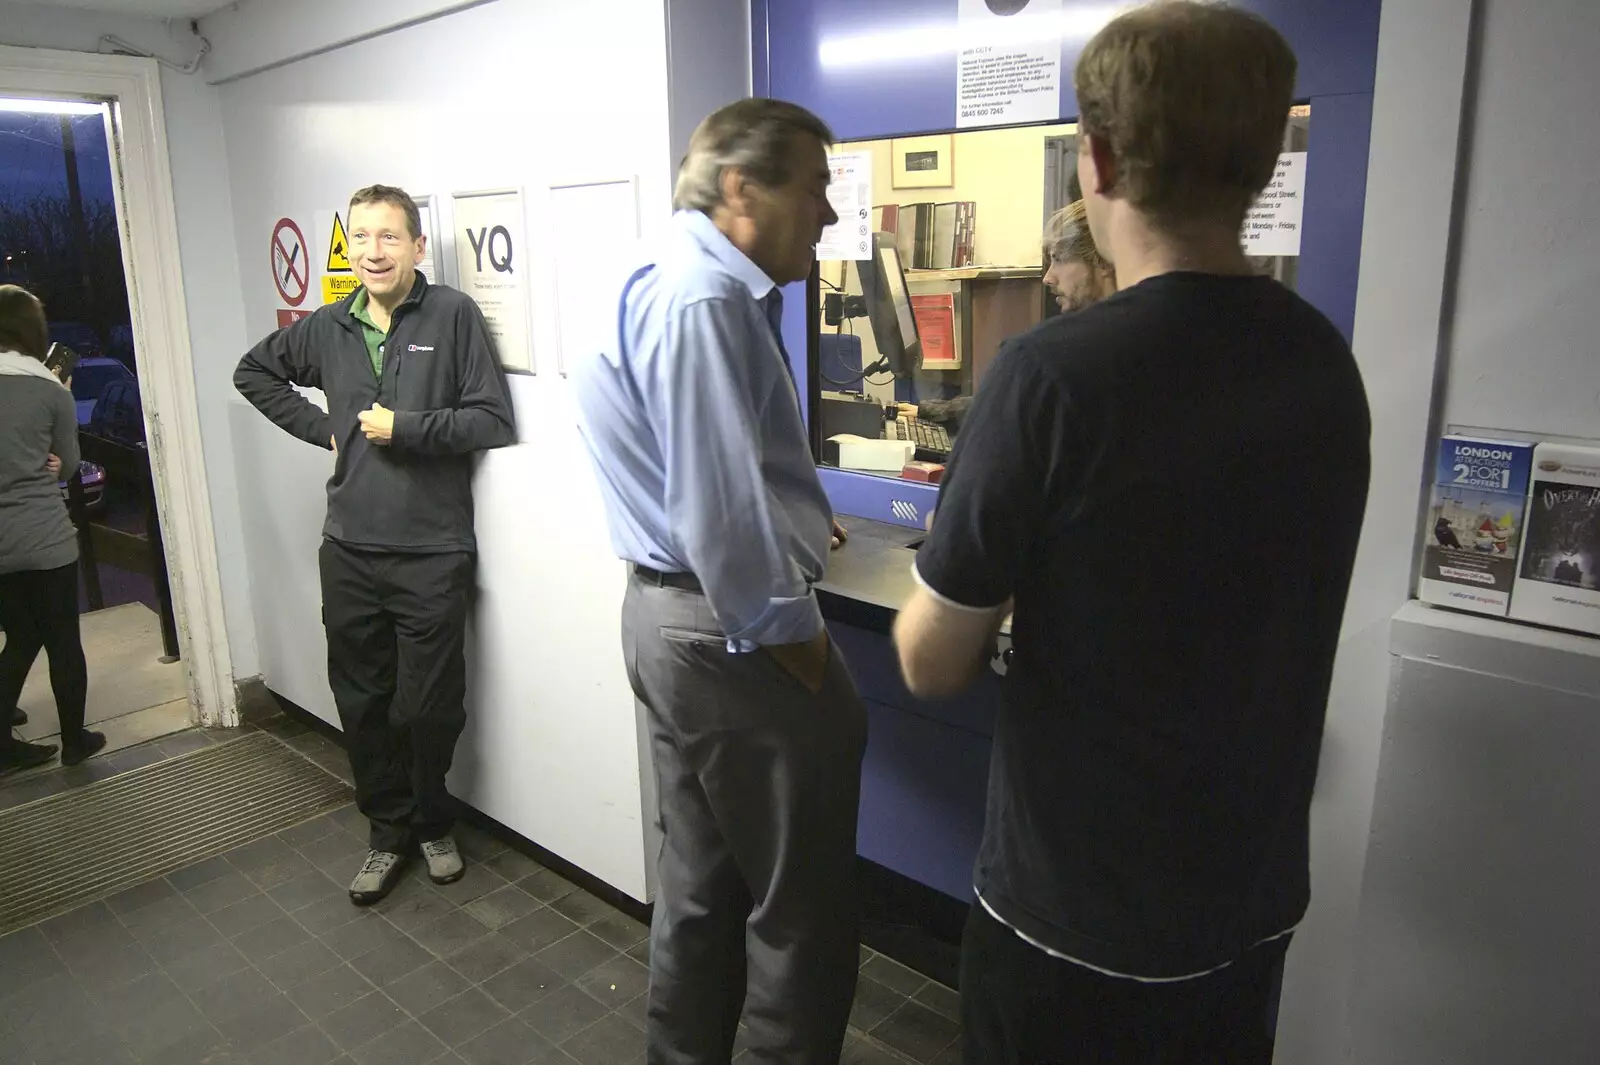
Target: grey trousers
[(758, 784)]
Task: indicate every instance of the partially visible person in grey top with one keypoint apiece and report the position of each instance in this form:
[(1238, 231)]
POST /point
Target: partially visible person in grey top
[(38, 544)]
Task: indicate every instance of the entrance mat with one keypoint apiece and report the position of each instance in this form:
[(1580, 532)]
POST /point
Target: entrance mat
[(60, 852)]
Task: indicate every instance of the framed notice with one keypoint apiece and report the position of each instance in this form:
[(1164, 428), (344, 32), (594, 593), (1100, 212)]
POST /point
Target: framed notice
[(490, 240), (594, 228), (922, 162)]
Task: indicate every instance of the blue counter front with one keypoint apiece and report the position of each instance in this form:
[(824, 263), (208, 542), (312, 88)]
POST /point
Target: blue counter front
[(927, 763)]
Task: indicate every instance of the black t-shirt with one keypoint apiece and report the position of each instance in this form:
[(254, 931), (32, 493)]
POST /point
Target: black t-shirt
[(1171, 484)]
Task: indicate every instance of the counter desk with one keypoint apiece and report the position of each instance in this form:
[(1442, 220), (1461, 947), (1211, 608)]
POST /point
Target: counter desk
[(927, 763)]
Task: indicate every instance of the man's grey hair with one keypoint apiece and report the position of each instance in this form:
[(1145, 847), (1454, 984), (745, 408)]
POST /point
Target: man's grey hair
[(752, 135)]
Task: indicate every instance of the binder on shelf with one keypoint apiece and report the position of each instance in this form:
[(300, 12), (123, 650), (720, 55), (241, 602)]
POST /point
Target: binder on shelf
[(944, 254), (1473, 528), (1558, 574), (887, 218)]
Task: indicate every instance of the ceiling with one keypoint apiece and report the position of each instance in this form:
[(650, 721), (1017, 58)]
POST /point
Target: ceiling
[(146, 8)]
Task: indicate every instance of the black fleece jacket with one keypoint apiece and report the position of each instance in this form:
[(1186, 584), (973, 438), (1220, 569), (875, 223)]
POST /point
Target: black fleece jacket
[(442, 380)]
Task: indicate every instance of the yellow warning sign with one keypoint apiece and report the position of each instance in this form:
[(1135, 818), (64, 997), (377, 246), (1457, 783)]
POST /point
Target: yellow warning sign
[(338, 247), (337, 287)]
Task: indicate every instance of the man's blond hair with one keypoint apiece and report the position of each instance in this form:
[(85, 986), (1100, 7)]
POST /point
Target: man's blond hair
[(1191, 99)]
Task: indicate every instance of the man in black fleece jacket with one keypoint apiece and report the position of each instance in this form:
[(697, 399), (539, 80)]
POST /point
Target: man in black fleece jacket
[(413, 388)]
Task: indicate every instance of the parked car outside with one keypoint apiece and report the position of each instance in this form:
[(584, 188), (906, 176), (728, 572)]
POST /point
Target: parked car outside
[(94, 486), (79, 337), (90, 380)]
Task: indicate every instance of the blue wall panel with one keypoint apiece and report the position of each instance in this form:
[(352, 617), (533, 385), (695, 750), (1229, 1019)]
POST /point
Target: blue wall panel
[(817, 59)]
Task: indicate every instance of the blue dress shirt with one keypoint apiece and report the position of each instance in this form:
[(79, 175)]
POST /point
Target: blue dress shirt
[(694, 426)]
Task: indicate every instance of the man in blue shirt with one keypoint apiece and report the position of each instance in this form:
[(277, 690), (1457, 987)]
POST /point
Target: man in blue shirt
[(693, 421)]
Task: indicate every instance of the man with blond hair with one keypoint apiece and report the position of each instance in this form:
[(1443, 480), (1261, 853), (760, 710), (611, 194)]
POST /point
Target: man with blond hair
[(1167, 488)]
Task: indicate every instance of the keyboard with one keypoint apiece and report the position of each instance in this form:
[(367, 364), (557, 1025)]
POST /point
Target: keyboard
[(928, 436)]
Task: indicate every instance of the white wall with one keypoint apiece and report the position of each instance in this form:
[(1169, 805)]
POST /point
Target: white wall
[(498, 95), (210, 267)]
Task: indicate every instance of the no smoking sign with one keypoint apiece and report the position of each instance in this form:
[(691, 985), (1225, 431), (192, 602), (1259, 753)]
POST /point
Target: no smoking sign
[(291, 262)]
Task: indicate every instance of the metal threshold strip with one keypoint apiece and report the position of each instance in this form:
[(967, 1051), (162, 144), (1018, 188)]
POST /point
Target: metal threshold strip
[(65, 850)]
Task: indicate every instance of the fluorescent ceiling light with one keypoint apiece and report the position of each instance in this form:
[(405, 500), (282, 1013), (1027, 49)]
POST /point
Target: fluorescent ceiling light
[(881, 47), (51, 107)]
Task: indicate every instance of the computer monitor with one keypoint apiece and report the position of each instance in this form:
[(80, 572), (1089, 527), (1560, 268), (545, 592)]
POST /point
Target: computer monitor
[(894, 327)]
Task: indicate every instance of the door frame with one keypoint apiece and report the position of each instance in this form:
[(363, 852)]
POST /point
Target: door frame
[(148, 217)]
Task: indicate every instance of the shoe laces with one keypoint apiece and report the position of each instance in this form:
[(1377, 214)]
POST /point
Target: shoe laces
[(379, 862), (439, 848)]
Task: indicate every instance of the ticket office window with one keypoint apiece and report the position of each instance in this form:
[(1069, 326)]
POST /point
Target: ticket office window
[(958, 266)]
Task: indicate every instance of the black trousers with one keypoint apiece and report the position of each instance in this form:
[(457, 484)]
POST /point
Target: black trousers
[(39, 611), (397, 627), (1021, 1006), (758, 785)]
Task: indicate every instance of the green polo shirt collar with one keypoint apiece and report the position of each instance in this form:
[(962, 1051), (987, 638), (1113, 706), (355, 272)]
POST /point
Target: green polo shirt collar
[(370, 332)]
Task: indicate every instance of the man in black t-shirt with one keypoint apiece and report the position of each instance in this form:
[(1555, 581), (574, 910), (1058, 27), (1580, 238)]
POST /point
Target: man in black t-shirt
[(1168, 488)]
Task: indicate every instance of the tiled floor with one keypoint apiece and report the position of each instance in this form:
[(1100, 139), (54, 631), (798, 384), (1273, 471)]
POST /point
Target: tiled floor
[(257, 957)]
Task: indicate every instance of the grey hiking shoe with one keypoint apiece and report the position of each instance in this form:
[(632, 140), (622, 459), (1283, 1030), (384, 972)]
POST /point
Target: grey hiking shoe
[(444, 860), (379, 874)]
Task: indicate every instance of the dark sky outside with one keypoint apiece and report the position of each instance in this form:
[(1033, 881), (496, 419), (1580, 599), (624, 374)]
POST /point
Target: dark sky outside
[(31, 162)]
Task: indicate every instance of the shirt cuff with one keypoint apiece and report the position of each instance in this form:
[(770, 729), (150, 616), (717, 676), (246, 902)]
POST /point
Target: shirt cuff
[(796, 620)]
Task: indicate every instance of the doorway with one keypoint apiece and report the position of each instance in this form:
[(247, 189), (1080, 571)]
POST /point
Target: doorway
[(61, 239), (143, 344)]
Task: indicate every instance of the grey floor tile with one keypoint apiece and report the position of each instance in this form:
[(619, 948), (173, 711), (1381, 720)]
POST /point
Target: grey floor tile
[(893, 975), (582, 908), (335, 911), (225, 890), (181, 940), (392, 960), (407, 1044), (112, 968), (866, 954), (131, 1002), (310, 831), (233, 995), (361, 937), (486, 956), (26, 791), (271, 938), (183, 742), (139, 896), (502, 906), (260, 853), (306, 888), (620, 930), (562, 1014), (411, 906), (616, 981), (263, 1023), (508, 1043), (248, 913), (421, 991), (523, 984), (205, 967), (576, 955), (478, 882), (85, 1044), (329, 992), (540, 929), (26, 957), (917, 1032), (547, 885), (136, 757), (336, 849), (363, 1020), (862, 1050), (609, 1041), (513, 865), (35, 1013), (154, 921), (874, 1004), (173, 1032), (304, 1046), (640, 952), (636, 1012), (941, 1000), (299, 963), (347, 817), (83, 921), (449, 933), (464, 1017), (476, 844), (200, 873), (287, 868), (950, 1055)]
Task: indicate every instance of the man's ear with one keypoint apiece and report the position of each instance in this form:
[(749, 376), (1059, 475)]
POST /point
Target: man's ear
[(1103, 164), (735, 190)]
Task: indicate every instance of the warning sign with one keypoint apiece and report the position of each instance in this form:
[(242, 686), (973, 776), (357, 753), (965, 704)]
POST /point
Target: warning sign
[(286, 318), (291, 262), (338, 247), (336, 287)]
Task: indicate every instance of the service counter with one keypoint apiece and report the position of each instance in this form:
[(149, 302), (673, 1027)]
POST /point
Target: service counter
[(927, 763)]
